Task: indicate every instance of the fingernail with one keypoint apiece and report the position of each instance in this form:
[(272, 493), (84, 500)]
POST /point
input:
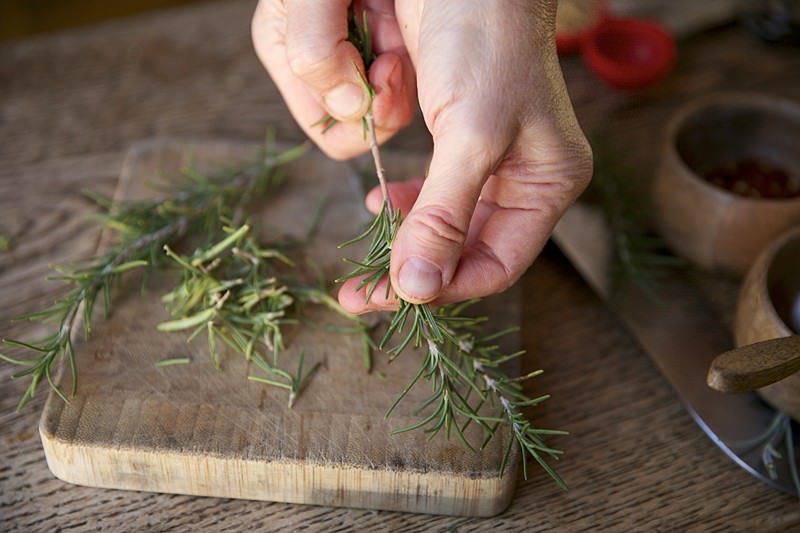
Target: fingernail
[(420, 279), (345, 100)]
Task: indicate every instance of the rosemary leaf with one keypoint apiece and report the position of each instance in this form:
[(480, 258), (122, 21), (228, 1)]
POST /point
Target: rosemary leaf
[(173, 361)]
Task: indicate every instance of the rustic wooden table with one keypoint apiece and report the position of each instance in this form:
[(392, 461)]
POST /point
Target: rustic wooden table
[(73, 102)]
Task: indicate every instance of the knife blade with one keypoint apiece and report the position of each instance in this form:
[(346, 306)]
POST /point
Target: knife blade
[(682, 334)]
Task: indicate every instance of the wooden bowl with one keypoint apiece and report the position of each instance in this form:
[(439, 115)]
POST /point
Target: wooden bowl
[(714, 228), (769, 307)]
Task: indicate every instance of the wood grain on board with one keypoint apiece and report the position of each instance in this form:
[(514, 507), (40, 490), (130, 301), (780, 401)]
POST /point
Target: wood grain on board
[(190, 429)]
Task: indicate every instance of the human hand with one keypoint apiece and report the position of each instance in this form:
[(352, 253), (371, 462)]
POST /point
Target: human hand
[(303, 45), (509, 156)]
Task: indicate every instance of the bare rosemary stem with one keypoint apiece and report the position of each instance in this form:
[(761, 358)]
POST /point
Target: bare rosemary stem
[(173, 230), (376, 156)]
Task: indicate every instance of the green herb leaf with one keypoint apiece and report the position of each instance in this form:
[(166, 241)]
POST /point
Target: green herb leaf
[(173, 361)]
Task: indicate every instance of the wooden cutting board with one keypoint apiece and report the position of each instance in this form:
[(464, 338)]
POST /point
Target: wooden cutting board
[(191, 429)]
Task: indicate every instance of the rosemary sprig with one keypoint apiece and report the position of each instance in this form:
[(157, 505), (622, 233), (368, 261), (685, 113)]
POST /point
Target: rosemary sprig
[(640, 256), (140, 229), (469, 385), (780, 429), (464, 367)]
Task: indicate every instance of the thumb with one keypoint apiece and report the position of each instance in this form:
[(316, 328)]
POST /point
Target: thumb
[(319, 54), (428, 246)]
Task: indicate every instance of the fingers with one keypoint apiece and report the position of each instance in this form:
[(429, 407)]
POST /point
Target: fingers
[(393, 108), (429, 243), (303, 46), (403, 194), (354, 299), (509, 226), (392, 77), (319, 54), (386, 35), (502, 243), (507, 243)]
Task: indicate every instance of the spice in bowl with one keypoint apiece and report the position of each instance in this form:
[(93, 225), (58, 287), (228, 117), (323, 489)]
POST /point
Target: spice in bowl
[(754, 178), (715, 150)]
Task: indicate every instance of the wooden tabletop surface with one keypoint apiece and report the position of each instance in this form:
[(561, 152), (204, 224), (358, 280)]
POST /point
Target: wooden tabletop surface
[(72, 103)]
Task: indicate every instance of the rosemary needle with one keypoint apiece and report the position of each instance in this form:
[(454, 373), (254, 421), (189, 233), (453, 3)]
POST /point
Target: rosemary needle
[(173, 361)]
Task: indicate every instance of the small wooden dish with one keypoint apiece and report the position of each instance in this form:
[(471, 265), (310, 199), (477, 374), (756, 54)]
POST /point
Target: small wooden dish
[(769, 308), (714, 228)]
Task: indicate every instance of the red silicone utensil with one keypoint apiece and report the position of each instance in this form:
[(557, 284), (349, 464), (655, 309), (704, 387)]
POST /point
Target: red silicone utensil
[(629, 53)]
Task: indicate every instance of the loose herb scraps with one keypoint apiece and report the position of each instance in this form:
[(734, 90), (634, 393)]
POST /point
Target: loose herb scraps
[(239, 293), (141, 229)]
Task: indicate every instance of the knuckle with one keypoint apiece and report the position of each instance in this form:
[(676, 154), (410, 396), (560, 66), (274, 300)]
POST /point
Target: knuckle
[(435, 227), (501, 277), (563, 176), (481, 145)]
